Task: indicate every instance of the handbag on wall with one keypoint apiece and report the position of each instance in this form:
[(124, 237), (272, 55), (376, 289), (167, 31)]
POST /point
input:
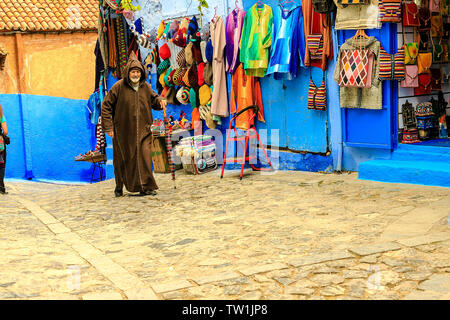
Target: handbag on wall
[(424, 85), (438, 53), (345, 2), (446, 30), (423, 41), (323, 6), (435, 6), (314, 43), (445, 55), (410, 15), (411, 77), (436, 26), (390, 11), (436, 79), (424, 19), (392, 66), (411, 52), (424, 61)]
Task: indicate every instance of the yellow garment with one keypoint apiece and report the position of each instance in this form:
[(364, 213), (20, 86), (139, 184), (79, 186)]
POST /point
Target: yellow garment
[(184, 24), (127, 5), (204, 94), (161, 28)]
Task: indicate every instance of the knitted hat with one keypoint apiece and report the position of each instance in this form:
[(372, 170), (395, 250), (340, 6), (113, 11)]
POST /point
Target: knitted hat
[(193, 27), (193, 99), (164, 52), (186, 78), (204, 94), (183, 95), (160, 31), (161, 78), (166, 77), (138, 25), (163, 66), (193, 76), (181, 59), (197, 53), (180, 38), (174, 26), (144, 41), (184, 23), (189, 54), (195, 117), (170, 77), (200, 70), (196, 38), (209, 51), (208, 74), (166, 31), (153, 55), (178, 76), (203, 49)]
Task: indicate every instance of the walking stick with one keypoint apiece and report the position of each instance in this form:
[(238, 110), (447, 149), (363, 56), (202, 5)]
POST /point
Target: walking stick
[(169, 148)]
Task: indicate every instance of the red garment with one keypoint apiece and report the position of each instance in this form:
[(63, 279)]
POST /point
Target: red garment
[(245, 92)]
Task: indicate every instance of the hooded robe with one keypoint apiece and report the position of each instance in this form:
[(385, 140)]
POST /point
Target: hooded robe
[(129, 114)]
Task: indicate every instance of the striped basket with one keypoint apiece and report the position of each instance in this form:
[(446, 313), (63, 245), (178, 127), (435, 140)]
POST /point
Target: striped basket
[(392, 66)]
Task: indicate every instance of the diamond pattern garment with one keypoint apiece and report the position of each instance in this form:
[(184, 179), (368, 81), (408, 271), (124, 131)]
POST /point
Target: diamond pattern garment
[(354, 72)]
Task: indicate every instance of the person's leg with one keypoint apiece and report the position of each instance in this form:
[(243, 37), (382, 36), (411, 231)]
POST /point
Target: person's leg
[(2, 173)]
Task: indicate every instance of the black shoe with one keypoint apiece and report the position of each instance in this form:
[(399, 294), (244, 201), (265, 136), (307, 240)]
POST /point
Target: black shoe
[(148, 193), (118, 193), (3, 192)]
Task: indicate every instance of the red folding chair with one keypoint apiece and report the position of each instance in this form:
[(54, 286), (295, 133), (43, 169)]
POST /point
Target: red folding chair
[(251, 133)]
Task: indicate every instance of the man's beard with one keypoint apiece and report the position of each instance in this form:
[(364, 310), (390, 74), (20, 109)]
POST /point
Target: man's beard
[(135, 80)]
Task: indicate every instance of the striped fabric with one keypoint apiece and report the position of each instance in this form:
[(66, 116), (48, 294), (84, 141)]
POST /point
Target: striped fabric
[(314, 43), (390, 11), (317, 97), (392, 66), (100, 135)]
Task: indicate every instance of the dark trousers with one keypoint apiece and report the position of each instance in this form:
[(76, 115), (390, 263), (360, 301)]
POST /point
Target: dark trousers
[(2, 172)]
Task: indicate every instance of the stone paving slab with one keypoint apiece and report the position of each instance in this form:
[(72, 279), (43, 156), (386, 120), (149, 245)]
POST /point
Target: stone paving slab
[(216, 277), (171, 286), (319, 258), (427, 239), (438, 283), (103, 296), (375, 248), (141, 294), (263, 268)]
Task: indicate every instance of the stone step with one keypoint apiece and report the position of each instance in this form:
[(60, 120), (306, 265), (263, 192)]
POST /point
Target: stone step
[(431, 173), (419, 155)]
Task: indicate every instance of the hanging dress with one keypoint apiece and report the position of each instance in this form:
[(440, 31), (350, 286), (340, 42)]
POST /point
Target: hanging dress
[(219, 103), (234, 24)]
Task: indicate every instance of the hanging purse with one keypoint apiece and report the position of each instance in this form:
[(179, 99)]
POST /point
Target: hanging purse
[(411, 53), (424, 19), (314, 43), (390, 11), (317, 96), (446, 30), (392, 66), (445, 71), (323, 6), (423, 41), (424, 61), (438, 51), (410, 15), (435, 6), (424, 85), (411, 77), (436, 79), (445, 55), (436, 26), (346, 2)]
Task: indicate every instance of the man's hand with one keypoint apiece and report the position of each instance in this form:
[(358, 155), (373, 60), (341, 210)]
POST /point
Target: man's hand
[(163, 104), (111, 134)]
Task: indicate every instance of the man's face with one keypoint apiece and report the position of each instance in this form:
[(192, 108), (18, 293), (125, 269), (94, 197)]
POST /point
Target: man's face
[(135, 75)]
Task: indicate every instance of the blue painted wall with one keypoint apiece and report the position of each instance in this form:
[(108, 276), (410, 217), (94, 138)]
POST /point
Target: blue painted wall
[(46, 133)]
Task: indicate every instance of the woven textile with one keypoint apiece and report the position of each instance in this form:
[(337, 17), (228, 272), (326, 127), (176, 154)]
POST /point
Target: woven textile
[(354, 68), (392, 66), (314, 43), (317, 96), (390, 11), (352, 1)]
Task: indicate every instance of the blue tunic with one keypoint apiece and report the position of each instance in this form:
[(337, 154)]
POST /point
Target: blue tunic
[(288, 42)]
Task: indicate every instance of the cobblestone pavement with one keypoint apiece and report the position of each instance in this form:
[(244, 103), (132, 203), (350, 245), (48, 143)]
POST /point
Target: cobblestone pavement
[(291, 235)]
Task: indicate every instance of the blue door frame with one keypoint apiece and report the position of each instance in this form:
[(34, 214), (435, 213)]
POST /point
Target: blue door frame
[(374, 129)]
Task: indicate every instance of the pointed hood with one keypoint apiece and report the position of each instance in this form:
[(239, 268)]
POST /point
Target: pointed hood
[(134, 63)]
